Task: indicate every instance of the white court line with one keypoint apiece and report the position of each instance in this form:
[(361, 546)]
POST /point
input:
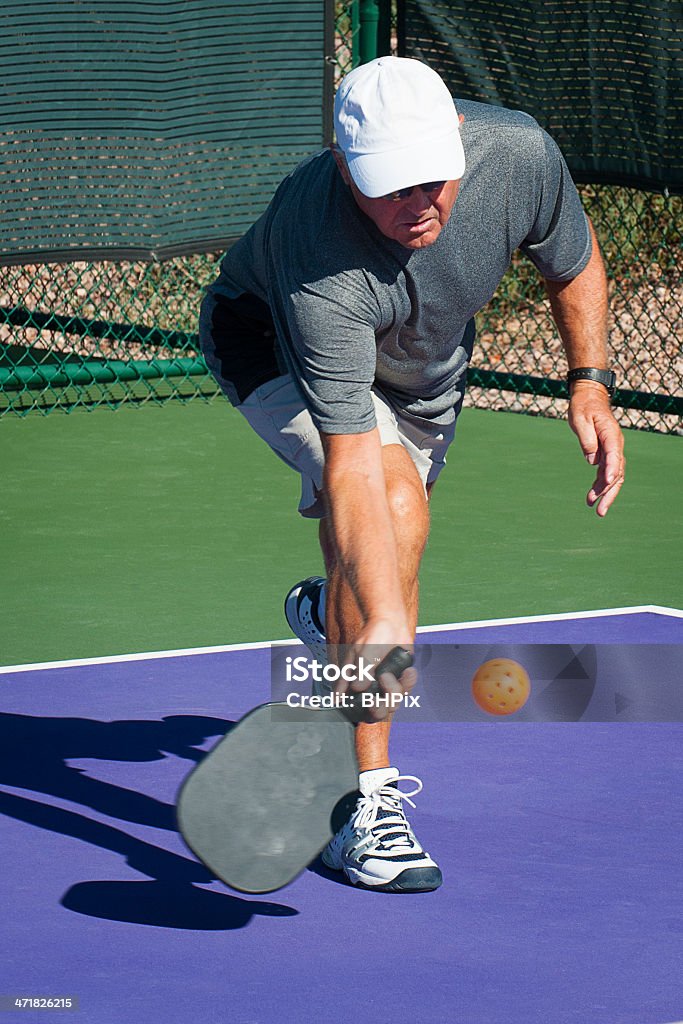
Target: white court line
[(191, 652), (654, 608)]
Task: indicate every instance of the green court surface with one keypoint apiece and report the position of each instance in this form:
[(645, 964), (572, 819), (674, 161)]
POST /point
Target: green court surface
[(170, 527)]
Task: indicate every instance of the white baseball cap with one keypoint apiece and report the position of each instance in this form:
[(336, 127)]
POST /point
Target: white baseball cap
[(397, 126)]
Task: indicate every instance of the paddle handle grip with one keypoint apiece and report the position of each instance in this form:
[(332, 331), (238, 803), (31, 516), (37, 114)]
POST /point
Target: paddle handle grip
[(396, 661)]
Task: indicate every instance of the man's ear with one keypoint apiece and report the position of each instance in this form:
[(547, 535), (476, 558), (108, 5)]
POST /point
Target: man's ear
[(340, 161)]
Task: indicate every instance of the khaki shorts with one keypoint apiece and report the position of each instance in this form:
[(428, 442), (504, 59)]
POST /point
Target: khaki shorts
[(276, 411)]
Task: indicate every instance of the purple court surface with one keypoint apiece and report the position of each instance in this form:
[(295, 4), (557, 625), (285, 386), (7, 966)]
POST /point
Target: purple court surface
[(559, 842)]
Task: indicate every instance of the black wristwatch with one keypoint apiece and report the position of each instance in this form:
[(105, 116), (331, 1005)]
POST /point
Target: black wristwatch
[(605, 377)]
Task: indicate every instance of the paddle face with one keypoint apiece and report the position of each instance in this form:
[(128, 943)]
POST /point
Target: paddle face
[(259, 807), (273, 792)]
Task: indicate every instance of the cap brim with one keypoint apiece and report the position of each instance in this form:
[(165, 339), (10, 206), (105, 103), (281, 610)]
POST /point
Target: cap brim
[(377, 174)]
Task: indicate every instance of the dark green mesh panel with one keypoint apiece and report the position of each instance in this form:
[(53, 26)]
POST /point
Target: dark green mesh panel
[(130, 130), (603, 77)]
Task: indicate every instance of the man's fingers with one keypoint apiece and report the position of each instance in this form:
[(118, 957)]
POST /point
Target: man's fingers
[(388, 683), (604, 498), (611, 471), (602, 445), (608, 483), (404, 684), (587, 437)]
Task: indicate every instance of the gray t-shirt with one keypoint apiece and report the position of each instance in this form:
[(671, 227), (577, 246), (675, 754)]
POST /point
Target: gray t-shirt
[(352, 308)]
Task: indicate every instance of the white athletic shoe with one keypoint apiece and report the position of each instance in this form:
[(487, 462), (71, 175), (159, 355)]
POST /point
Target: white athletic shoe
[(377, 848), (305, 613)]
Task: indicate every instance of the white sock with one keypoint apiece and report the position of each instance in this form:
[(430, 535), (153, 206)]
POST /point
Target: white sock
[(370, 781)]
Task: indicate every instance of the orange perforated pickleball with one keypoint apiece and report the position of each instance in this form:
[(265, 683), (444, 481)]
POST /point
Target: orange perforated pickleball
[(501, 686)]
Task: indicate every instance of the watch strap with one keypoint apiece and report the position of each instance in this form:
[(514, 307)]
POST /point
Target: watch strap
[(607, 378)]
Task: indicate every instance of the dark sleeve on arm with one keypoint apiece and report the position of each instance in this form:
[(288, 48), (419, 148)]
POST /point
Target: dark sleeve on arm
[(559, 243)]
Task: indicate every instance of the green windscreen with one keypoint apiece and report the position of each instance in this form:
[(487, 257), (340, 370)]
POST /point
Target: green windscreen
[(151, 128), (604, 77)]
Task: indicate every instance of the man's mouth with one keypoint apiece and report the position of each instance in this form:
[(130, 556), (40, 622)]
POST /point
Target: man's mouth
[(420, 226)]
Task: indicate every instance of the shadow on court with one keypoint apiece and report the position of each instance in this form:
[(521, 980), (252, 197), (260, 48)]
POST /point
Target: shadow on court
[(168, 905), (33, 753)]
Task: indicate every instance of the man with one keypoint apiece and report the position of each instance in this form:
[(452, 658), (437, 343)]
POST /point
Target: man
[(341, 327)]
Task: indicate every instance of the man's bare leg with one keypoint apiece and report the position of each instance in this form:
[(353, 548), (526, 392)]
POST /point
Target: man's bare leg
[(343, 620)]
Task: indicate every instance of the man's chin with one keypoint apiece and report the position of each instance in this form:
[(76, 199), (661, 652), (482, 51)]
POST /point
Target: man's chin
[(422, 241), (412, 239)]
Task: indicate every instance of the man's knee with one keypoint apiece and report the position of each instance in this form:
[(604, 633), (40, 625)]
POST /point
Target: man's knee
[(406, 496), (409, 509)]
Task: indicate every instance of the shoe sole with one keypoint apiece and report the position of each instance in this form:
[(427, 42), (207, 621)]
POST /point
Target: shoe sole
[(409, 880)]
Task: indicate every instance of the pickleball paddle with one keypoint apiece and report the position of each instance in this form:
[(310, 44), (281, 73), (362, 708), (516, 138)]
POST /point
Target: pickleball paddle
[(266, 800)]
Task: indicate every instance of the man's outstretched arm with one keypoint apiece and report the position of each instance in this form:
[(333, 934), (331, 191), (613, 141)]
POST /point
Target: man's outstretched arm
[(580, 311), (364, 538)]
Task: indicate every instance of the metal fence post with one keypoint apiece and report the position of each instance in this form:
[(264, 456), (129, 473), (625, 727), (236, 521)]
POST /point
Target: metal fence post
[(384, 28), (368, 30)]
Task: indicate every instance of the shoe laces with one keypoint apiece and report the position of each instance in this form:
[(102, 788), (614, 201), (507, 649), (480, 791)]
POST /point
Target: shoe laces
[(381, 813)]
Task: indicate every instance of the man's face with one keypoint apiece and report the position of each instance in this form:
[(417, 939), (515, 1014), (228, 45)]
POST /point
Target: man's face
[(415, 221)]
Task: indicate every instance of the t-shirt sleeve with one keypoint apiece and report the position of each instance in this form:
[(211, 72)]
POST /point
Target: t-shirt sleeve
[(559, 243), (326, 330)]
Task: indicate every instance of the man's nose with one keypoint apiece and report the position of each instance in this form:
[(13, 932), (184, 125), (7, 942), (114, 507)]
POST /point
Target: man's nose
[(418, 201)]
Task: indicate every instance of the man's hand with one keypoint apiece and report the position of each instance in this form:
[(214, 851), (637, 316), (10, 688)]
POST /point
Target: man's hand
[(601, 440), (373, 645), (580, 311)]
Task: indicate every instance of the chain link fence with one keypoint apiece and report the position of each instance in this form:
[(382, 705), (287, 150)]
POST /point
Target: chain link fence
[(99, 334), (83, 335), (641, 235)]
